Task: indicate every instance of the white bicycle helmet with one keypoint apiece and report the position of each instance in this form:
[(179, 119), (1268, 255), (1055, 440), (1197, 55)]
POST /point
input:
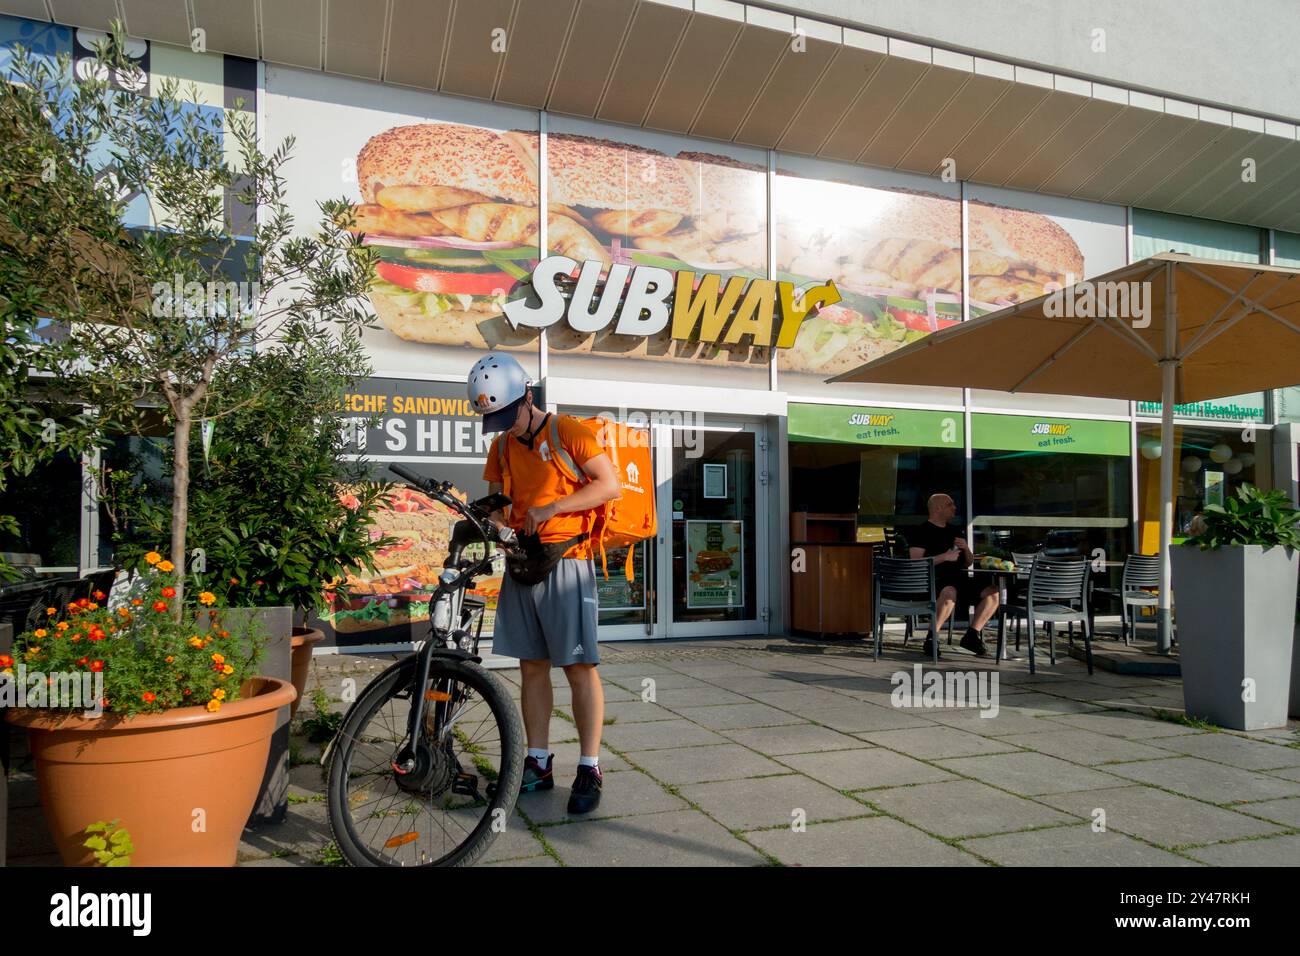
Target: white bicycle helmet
[(497, 384)]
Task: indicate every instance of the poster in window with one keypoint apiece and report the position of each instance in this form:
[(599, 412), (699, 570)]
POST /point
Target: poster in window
[(715, 560)]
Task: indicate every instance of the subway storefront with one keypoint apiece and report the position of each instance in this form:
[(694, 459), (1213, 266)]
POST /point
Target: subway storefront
[(703, 281)]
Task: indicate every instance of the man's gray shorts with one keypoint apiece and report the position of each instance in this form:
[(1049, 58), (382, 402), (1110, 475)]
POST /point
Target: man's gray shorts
[(553, 620)]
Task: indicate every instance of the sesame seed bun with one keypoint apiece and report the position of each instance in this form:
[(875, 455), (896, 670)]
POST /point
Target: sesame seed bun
[(603, 174), (447, 154), (1020, 236)]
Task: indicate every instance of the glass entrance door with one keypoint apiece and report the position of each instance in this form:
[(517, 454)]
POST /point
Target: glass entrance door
[(713, 547), (703, 573)]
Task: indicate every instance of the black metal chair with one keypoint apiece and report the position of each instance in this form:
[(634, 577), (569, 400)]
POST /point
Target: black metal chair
[(1141, 572), (1055, 587), (904, 588)]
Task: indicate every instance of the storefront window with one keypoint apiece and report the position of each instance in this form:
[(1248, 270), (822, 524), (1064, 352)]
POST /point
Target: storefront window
[(1156, 232), (47, 507), (1055, 484), (1212, 464), (876, 465)]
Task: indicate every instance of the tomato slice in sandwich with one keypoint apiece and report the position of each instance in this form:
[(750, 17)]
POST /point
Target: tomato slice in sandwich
[(447, 283)]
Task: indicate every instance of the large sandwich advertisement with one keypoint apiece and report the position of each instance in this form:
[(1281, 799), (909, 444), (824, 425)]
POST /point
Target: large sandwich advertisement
[(893, 252), (637, 198)]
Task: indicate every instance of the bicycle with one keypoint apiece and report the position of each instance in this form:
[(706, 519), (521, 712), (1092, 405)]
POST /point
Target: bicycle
[(424, 734)]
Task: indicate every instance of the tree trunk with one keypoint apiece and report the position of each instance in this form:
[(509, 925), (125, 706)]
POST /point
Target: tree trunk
[(180, 503)]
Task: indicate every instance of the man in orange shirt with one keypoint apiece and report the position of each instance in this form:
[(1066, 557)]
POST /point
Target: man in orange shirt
[(550, 623)]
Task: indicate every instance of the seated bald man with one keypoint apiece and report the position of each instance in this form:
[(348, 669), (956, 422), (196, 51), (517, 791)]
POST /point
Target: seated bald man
[(952, 556)]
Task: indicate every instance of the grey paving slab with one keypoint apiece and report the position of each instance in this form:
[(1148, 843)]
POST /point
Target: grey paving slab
[(1030, 774), (1123, 724), (964, 808), (625, 794), (793, 739), (659, 734), (1001, 723), (305, 830), (874, 841), (1204, 780), (633, 669), (663, 680), (634, 711), (530, 861), (862, 769), (1287, 773), (806, 698), (1084, 746), (863, 717), (677, 699), (1274, 851), (516, 841), (1071, 846), (757, 686), (699, 764), (738, 716), (936, 741), (680, 838), (706, 669), (1158, 817), (1285, 811), (771, 801), (1233, 750), (1039, 704)]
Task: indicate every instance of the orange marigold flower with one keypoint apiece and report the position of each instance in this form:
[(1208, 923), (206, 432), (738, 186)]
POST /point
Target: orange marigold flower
[(214, 706), (51, 611), (207, 597), (83, 661), (195, 642), (96, 666), (40, 632), (148, 697), (169, 592), (6, 660), (187, 692), (124, 612), (166, 567), (92, 606), (225, 633), (234, 580), (218, 659), (228, 669), (136, 601), (170, 658), (61, 626), (160, 606), (153, 557), (99, 595), (219, 694), (75, 637)]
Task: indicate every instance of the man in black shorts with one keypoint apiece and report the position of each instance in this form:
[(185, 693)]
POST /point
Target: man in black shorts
[(952, 556)]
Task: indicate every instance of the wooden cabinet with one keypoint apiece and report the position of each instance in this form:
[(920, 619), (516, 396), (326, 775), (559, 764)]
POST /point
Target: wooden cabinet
[(810, 526), (832, 595)]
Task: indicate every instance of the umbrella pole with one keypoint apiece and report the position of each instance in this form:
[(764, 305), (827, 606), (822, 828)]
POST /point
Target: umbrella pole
[(1169, 369)]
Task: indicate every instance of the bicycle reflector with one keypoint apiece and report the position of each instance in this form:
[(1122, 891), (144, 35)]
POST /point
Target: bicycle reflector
[(437, 695), (402, 840)]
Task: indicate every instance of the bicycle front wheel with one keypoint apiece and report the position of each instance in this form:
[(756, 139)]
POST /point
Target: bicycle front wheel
[(462, 791)]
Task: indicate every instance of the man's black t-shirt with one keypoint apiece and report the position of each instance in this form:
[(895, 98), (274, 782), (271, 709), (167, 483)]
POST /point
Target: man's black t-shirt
[(934, 541)]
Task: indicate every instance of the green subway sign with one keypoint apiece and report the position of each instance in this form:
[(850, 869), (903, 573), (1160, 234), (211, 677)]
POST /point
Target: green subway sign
[(873, 425), (1077, 436)]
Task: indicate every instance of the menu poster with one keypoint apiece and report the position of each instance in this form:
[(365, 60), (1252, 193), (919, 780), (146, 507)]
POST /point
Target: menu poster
[(715, 560), (1214, 488)]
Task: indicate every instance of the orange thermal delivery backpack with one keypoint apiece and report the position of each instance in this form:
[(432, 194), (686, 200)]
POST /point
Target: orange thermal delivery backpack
[(625, 521)]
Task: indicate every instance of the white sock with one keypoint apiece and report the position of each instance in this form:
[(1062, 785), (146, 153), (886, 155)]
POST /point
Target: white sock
[(542, 756), (589, 762)]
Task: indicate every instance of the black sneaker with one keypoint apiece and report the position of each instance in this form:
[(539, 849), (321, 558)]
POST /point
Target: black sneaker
[(585, 796), (535, 778), (974, 643)]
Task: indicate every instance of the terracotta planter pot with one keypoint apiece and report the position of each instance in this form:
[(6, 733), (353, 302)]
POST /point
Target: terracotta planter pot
[(304, 639), (153, 772)]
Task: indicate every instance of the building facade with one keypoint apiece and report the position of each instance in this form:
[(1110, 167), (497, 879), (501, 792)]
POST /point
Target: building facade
[(933, 165)]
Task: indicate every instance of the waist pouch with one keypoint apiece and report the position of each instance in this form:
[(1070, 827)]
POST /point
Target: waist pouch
[(538, 559)]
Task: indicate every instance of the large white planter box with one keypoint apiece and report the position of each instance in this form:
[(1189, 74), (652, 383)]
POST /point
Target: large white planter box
[(1236, 624)]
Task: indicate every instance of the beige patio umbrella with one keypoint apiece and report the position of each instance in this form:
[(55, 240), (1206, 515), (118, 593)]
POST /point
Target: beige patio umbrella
[(1170, 329)]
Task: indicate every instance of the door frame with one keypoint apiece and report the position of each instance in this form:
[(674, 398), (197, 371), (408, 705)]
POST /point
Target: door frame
[(660, 625)]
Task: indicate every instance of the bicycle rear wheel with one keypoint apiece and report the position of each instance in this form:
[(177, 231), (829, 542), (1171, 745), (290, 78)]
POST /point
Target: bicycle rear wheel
[(443, 813)]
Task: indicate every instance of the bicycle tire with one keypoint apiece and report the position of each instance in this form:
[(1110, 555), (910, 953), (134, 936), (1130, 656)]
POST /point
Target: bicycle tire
[(387, 686)]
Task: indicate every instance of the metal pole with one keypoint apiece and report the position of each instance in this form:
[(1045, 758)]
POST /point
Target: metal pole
[(1169, 375)]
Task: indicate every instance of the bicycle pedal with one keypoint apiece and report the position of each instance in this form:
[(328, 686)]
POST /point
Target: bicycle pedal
[(466, 785)]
